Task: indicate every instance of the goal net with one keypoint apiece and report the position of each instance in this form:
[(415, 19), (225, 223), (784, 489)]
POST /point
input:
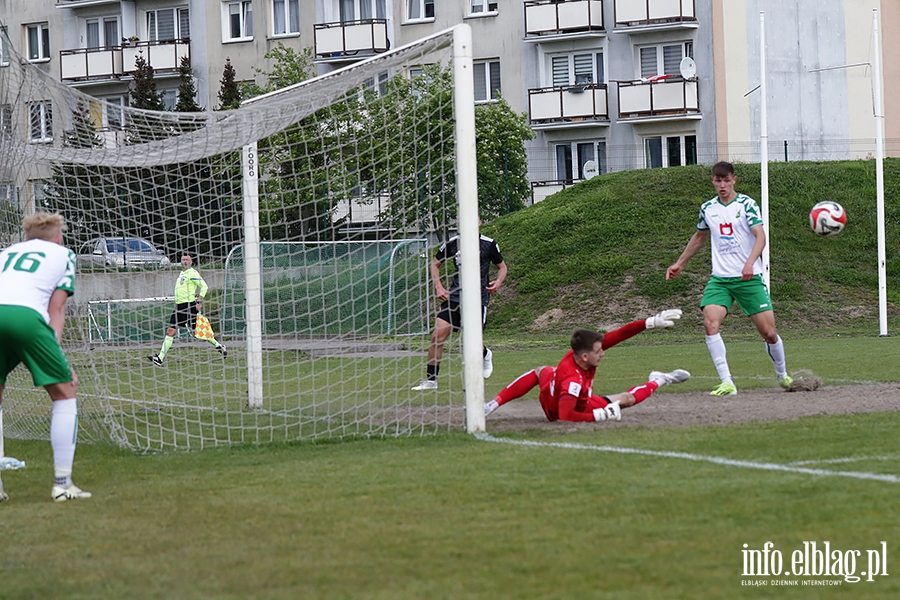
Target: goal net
[(312, 213)]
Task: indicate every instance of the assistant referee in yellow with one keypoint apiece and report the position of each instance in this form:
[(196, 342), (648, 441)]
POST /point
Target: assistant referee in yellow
[(189, 292)]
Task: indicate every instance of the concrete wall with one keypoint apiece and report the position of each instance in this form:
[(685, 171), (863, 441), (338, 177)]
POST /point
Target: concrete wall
[(134, 284)]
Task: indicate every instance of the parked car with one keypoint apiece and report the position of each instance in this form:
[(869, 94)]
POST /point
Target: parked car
[(121, 252)]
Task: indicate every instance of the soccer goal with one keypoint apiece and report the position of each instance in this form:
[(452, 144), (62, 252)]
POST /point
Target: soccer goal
[(312, 212)]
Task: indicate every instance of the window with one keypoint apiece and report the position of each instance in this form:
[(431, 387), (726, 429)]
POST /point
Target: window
[(285, 17), (168, 24), (353, 10), (482, 6), (487, 80), (238, 20), (41, 120), (101, 32), (169, 99), (38, 41), (419, 9), (577, 68), (381, 87), (4, 47), (108, 114), (664, 59), (573, 157), (5, 119), (7, 192), (679, 150)]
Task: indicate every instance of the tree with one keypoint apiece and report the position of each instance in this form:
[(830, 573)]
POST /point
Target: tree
[(500, 136), (229, 91), (187, 92), (143, 89)]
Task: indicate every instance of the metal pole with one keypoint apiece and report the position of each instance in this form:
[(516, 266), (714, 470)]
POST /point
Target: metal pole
[(764, 148), (879, 171), (252, 275)]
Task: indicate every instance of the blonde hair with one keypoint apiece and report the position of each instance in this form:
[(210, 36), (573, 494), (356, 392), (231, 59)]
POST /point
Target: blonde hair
[(43, 226)]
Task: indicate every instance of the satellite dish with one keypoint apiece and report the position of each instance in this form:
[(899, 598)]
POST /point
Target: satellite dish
[(589, 169), (688, 68)]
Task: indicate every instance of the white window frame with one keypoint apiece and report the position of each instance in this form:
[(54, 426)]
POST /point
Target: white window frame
[(6, 119), (101, 22), (114, 112), (482, 71), (686, 49), (417, 10), (597, 153), (598, 66), (180, 15), (665, 140), (169, 99), (4, 47), (41, 52), (483, 8), (376, 9), (284, 12), (243, 10), (40, 121), (380, 87)]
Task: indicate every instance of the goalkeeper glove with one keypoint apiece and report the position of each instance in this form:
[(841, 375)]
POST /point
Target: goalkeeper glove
[(610, 412), (665, 318)]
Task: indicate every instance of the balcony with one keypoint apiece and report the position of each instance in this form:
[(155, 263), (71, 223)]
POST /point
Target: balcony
[(672, 98), (567, 106), (350, 38), (654, 15), (546, 18), (113, 62)]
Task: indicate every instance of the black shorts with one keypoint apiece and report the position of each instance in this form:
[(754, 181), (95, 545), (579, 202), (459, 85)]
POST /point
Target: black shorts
[(184, 316), (452, 313)]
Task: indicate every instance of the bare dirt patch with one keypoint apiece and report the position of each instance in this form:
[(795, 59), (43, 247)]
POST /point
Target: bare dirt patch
[(699, 408)]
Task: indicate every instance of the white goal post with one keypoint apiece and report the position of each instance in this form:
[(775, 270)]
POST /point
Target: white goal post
[(372, 160)]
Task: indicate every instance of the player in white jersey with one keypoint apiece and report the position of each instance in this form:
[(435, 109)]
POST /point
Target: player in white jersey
[(37, 276), (733, 224)]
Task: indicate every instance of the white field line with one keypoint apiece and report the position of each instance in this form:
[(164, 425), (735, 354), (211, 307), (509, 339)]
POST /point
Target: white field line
[(486, 437), (848, 459)]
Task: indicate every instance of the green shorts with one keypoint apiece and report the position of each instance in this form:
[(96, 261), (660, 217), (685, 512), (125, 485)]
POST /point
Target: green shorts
[(751, 295), (26, 338)]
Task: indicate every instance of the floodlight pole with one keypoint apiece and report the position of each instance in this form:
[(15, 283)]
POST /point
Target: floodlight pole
[(764, 148), (879, 177)]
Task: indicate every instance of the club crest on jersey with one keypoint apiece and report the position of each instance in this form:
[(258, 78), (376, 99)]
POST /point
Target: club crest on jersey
[(726, 230)]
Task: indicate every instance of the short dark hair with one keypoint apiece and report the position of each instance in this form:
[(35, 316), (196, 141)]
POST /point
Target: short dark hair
[(722, 169), (583, 340)]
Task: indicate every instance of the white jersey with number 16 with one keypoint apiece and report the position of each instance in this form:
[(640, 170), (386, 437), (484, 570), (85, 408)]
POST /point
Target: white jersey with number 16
[(31, 271)]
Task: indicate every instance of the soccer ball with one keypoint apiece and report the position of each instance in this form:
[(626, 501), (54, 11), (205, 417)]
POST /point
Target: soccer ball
[(827, 218)]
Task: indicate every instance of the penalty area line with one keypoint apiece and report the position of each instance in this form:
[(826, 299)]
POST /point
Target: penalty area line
[(718, 460)]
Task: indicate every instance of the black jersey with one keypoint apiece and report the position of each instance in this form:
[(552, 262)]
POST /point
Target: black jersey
[(489, 254)]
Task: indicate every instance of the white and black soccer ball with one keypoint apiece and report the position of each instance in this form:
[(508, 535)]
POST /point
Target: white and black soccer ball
[(827, 218)]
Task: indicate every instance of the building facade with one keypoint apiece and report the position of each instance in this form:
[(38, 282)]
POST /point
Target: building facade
[(606, 85)]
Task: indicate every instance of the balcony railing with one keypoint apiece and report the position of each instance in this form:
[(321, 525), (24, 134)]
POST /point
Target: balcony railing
[(553, 17), (111, 62), (586, 102), (671, 96), (632, 13), (350, 38)]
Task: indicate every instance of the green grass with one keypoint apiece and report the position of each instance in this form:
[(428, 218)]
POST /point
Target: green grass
[(601, 248), (449, 516)]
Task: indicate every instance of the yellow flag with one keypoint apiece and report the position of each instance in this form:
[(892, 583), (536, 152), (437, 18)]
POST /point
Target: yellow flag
[(202, 329)]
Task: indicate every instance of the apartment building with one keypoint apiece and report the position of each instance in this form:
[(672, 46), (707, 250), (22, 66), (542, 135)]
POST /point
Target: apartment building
[(606, 85)]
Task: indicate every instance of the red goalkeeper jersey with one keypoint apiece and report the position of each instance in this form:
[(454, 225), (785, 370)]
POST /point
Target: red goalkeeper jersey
[(570, 396)]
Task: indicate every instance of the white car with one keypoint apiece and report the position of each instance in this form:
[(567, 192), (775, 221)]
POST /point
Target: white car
[(121, 252)]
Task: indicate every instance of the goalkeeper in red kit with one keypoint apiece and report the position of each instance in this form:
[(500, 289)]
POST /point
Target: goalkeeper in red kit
[(566, 392)]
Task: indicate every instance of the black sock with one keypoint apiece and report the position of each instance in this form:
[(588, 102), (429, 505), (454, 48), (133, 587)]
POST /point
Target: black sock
[(432, 372)]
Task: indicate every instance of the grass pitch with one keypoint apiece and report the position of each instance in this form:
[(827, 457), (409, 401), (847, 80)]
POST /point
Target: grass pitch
[(449, 516)]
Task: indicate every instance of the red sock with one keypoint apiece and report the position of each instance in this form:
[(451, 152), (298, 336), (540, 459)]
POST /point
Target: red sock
[(518, 388), (643, 391)]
